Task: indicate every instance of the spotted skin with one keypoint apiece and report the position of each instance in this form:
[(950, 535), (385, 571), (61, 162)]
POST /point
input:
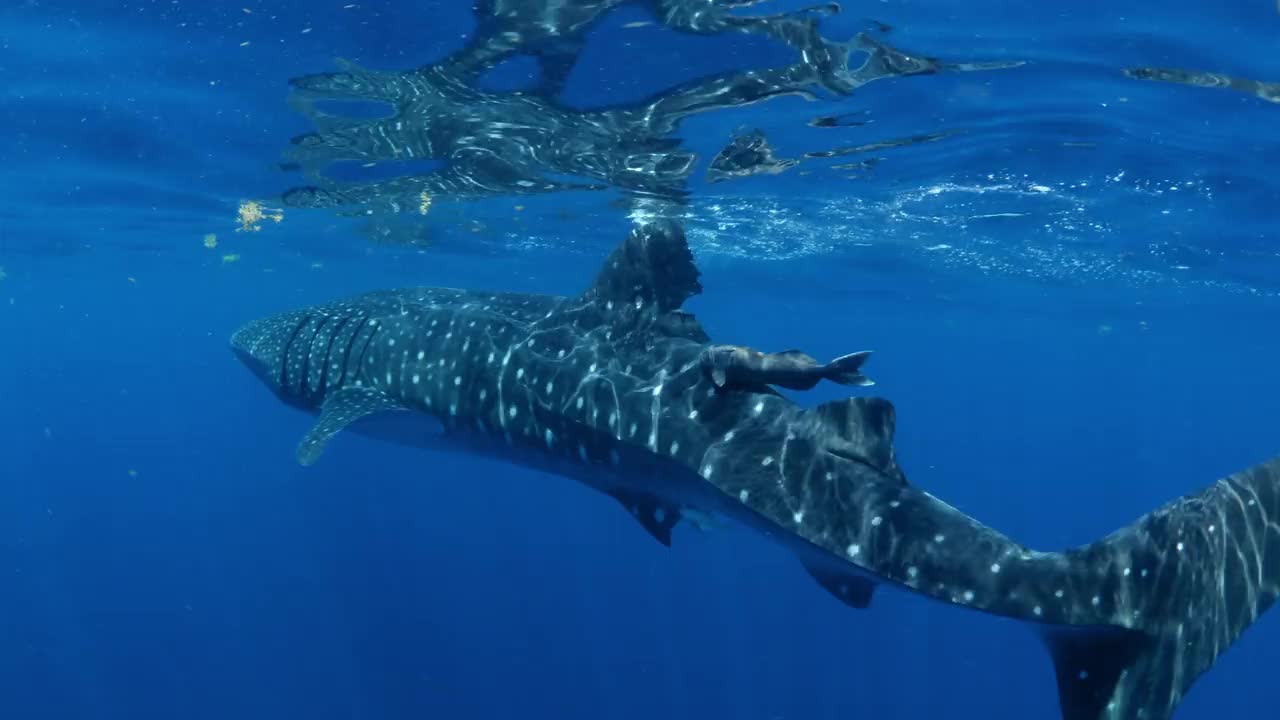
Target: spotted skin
[(607, 388)]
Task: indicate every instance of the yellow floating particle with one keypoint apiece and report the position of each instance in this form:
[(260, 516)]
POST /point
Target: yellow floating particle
[(132, 280), (210, 240), (519, 208), (244, 44), (230, 258), (251, 213), (637, 24), (424, 203)]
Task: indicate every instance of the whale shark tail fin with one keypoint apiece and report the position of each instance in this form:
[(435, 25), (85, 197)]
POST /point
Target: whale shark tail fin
[(1171, 592), (847, 370)]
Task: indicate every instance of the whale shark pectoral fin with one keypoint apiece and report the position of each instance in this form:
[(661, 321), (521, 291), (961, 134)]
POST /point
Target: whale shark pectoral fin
[(850, 589), (340, 410), (658, 518)]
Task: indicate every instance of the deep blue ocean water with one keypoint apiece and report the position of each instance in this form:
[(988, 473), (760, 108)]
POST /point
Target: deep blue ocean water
[(1073, 303)]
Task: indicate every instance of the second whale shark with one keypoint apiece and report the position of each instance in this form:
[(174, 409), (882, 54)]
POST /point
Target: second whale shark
[(620, 389)]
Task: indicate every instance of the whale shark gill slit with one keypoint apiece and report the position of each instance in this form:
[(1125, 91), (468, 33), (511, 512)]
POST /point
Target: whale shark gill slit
[(287, 350)]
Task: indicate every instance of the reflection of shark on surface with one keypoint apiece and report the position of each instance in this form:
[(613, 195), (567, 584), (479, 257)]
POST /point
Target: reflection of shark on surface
[(1269, 91), (612, 388), (748, 153), (486, 143)]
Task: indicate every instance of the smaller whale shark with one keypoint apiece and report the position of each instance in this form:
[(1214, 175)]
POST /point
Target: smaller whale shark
[(621, 390)]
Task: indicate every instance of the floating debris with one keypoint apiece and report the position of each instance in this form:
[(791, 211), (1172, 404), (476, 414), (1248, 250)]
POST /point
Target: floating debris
[(424, 203), (230, 258), (3, 274), (210, 240), (252, 213)]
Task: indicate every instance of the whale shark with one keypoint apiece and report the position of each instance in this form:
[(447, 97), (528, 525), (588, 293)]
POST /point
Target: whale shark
[(619, 388)]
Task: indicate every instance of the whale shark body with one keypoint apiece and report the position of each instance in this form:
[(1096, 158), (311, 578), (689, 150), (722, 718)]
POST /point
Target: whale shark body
[(612, 388)]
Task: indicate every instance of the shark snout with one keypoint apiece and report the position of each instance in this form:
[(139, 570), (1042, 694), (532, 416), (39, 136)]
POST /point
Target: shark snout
[(241, 341), (260, 344), (244, 343), (249, 338)]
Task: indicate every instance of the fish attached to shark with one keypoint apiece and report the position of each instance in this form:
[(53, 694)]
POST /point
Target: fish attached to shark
[(619, 389)]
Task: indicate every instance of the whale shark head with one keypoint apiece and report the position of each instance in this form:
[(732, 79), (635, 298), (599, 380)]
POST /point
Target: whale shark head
[(263, 345)]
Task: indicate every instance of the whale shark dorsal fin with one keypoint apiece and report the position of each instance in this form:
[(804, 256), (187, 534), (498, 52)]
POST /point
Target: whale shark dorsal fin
[(658, 518), (648, 276), (861, 429), (851, 589), (341, 409)]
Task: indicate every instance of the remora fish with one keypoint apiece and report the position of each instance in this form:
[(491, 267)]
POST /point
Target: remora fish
[(611, 388)]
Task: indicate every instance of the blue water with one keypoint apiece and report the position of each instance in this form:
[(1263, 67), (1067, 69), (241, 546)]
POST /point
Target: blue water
[(1072, 336)]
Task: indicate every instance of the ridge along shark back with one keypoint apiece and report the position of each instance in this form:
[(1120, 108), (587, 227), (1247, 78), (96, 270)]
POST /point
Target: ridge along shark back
[(617, 388)]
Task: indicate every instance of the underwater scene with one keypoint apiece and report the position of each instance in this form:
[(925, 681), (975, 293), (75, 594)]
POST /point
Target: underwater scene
[(622, 359)]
